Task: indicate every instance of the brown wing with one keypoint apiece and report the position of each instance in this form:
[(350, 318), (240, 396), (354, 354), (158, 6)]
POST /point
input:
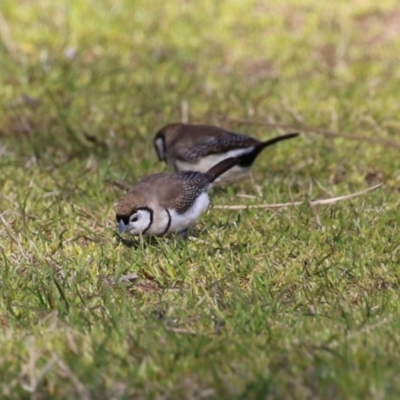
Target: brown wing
[(177, 191), (196, 141)]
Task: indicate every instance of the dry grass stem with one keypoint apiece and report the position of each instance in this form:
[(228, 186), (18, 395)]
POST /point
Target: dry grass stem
[(320, 202)]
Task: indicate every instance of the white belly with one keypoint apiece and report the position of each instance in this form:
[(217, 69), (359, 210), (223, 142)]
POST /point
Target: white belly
[(180, 222), (204, 164)]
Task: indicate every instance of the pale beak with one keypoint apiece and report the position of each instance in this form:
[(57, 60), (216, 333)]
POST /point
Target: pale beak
[(122, 227)]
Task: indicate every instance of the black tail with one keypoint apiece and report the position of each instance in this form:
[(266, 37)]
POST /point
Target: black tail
[(246, 160), (221, 167)]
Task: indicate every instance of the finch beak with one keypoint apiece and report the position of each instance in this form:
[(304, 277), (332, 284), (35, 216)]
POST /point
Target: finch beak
[(122, 227)]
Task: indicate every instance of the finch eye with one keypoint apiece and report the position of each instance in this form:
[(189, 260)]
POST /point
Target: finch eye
[(134, 218)]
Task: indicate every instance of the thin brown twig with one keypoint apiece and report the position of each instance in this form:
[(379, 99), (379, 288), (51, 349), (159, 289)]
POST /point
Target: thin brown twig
[(372, 140), (320, 202)]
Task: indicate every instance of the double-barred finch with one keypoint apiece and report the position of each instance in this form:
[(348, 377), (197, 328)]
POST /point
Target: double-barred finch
[(165, 203), (198, 147)]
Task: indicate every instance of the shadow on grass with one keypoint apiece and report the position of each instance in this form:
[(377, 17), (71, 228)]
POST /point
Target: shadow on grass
[(131, 243), (140, 242)]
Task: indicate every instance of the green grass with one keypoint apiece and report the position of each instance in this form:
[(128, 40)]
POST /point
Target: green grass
[(297, 303)]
